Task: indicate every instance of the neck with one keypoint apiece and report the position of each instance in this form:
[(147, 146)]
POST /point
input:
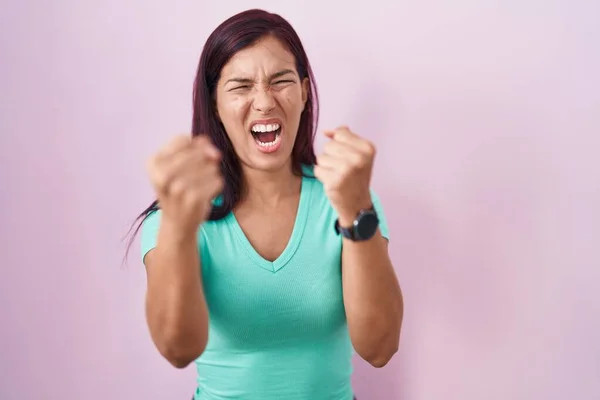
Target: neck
[(268, 188)]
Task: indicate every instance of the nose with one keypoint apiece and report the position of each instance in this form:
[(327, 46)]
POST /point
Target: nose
[(263, 100)]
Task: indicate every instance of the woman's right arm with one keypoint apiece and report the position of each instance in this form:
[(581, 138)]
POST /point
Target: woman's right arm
[(186, 177), (176, 309)]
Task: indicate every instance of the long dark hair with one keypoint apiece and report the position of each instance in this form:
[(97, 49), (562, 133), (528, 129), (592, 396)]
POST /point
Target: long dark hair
[(234, 34)]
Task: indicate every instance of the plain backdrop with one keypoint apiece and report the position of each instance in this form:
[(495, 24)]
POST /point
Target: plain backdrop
[(487, 119)]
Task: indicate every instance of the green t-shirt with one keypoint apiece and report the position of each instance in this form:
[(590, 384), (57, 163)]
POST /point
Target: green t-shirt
[(278, 329)]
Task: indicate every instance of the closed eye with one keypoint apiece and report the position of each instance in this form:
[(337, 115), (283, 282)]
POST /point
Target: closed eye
[(284, 81), (241, 87)]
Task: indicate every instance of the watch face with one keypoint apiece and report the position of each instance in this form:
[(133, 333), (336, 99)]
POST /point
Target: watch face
[(367, 225)]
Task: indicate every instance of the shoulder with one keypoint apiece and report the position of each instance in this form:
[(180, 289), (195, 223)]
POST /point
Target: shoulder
[(150, 227)]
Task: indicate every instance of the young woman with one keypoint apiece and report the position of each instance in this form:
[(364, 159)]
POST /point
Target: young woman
[(266, 264)]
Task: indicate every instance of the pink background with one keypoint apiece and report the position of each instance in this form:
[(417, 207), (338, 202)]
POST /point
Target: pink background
[(487, 119)]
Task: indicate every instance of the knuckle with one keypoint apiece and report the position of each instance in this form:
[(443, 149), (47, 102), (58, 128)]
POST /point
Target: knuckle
[(337, 179), (370, 148), (191, 197), (177, 187), (181, 139), (158, 178), (357, 160), (160, 183)]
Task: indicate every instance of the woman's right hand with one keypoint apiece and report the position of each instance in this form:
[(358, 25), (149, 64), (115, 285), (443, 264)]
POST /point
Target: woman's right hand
[(186, 177)]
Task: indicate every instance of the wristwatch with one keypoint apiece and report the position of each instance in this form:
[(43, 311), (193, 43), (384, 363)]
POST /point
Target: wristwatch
[(363, 228)]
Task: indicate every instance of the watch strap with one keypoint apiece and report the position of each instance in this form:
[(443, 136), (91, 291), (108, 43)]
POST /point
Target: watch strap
[(351, 231)]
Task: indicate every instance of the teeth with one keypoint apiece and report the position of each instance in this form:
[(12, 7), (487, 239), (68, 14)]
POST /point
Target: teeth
[(268, 144), (265, 128)]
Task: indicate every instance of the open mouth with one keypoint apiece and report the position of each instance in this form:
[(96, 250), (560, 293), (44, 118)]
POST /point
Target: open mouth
[(266, 135)]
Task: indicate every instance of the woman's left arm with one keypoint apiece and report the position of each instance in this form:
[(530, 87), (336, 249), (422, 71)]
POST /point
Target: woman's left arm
[(372, 295), (372, 298)]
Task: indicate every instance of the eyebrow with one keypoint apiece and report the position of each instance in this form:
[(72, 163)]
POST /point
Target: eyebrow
[(274, 76)]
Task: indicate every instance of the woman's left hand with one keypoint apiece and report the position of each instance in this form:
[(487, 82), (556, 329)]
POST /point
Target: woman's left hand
[(345, 169)]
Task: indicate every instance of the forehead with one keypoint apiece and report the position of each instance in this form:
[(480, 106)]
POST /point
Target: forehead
[(266, 56)]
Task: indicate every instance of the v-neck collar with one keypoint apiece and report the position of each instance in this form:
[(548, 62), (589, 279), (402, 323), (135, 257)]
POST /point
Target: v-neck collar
[(293, 242)]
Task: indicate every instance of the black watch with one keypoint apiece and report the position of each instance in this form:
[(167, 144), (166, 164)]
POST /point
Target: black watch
[(363, 228)]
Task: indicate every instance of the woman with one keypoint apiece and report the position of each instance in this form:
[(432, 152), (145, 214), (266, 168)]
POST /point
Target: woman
[(266, 264)]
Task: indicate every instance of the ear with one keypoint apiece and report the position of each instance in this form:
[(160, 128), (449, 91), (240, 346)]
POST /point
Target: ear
[(305, 89)]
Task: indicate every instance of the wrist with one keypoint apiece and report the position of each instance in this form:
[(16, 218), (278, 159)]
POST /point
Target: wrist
[(175, 233), (347, 217), (347, 220)]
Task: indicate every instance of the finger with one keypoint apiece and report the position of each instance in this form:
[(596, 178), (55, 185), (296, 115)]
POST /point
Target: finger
[(208, 188), (327, 161), (205, 143), (198, 167), (338, 164), (193, 178), (327, 176), (345, 135), (188, 164), (215, 186), (338, 149), (209, 183), (329, 133), (341, 132), (343, 151), (175, 145), (202, 151), (175, 162)]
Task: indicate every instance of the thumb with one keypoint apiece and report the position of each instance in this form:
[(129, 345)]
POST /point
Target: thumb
[(204, 142)]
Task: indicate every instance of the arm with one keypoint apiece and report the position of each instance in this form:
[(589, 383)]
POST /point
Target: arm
[(176, 309), (372, 298)]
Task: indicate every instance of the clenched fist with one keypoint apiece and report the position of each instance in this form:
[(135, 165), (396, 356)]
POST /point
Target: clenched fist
[(345, 169), (186, 177)]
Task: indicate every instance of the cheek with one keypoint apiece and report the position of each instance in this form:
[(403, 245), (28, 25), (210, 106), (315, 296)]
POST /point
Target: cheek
[(292, 102), (232, 112)]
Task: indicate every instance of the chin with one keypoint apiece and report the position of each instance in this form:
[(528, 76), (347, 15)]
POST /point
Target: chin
[(270, 163)]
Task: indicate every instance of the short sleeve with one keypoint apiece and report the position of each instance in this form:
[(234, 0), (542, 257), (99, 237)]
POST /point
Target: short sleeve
[(383, 225), (149, 232)]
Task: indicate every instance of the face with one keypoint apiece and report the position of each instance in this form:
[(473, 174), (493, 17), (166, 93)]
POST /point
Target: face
[(260, 99)]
